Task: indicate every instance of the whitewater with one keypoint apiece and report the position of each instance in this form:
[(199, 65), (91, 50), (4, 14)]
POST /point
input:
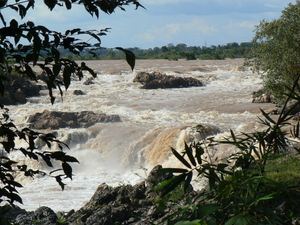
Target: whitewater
[(153, 121)]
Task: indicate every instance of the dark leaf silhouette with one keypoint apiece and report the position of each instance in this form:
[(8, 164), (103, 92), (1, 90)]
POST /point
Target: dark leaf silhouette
[(130, 57)]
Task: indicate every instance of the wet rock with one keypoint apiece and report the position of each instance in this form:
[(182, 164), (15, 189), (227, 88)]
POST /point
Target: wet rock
[(157, 80), (261, 97), (56, 119), (88, 82), (17, 89), (78, 92), (43, 215), (124, 204)]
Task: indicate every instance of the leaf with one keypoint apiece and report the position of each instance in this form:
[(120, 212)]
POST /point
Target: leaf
[(68, 158), (188, 180), (56, 69), (165, 183), (30, 72), (3, 3), (58, 180), (14, 197), (67, 169), (67, 76), (179, 179), (58, 155), (189, 152), (68, 4), (2, 19), (50, 3), (267, 116), (1, 88), (130, 57), (47, 159), (194, 222), (199, 153), (180, 158), (206, 210), (172, 170)]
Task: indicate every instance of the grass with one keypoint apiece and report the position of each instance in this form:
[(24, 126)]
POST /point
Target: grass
[(284, 169)]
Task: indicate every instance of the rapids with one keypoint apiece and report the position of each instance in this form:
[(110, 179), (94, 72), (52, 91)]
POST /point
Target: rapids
[(152, 122)]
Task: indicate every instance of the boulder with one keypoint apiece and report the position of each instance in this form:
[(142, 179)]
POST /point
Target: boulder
[(17, 89), (88, 81), (78, 92), (43, 215), (156, 80), (261, 97), (56, 119)]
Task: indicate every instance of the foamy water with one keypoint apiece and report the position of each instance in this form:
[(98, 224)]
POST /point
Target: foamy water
[(152, 122)]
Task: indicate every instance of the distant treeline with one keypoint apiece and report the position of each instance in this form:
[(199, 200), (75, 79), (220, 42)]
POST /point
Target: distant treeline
[(170, 52)]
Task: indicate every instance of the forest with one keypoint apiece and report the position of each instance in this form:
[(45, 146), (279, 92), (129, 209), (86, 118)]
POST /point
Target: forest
[(169, 52)]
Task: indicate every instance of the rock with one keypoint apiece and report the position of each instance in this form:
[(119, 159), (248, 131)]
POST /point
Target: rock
[(17, 89), (43, 215), (88, 82), (78, 92), (157, 80), (124, 204), (56, 119), (261, 97)]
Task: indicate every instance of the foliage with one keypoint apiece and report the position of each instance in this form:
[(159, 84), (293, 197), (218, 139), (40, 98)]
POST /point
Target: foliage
[(25, 45), (277, 51), (171, 52), (243, 189), (43, 44)]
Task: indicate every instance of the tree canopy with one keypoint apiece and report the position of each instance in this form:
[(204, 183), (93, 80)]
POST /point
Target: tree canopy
[(41, 48), (24, 45), (277, 51)]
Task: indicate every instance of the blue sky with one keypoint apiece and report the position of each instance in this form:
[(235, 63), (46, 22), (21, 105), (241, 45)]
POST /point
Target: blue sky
[(192, 22)]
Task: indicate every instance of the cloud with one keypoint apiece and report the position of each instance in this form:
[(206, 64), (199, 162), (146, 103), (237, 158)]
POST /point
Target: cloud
[(241, 24), (177, 32)]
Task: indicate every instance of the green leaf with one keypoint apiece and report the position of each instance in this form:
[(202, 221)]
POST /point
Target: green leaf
[(194, 222), (180, 158), (267, 116), (179, 179), (165, 183), (199, 153), (188, 180), (189, 152), (206, 210), (130, 57)]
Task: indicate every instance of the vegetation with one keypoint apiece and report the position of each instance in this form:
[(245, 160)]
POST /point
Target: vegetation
[(250, 185), (24, 45), (276, 55), (171, 52)]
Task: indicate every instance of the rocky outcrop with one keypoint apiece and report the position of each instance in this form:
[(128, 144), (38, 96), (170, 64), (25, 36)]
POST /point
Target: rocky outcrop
[(56, 119), (17, 89), (125, 204), (261, 97), (157, 80), (43, 215)]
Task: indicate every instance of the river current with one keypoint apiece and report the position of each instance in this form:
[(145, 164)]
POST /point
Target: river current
[(153, 121)]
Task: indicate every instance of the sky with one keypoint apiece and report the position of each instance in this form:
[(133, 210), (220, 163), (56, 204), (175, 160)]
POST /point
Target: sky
[(163, 22)]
